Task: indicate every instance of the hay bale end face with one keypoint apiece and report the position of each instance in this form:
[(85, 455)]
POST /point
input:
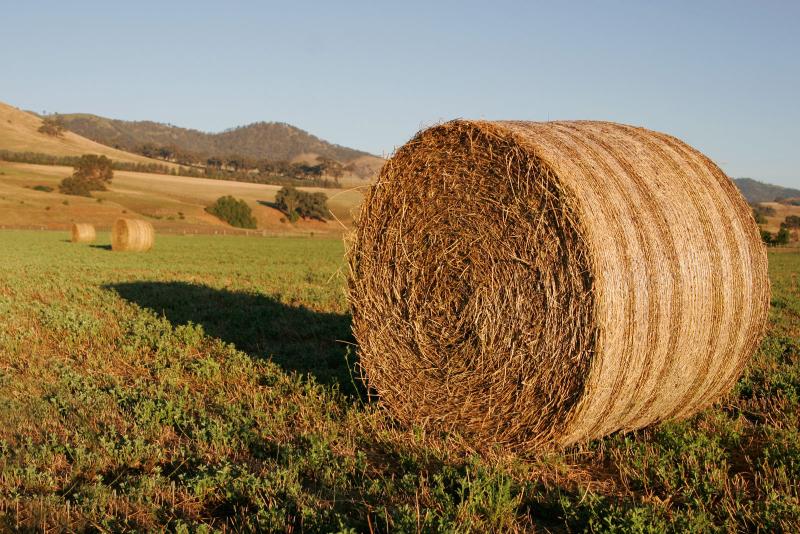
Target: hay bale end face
[(542, 284), (132, 235), (83, 233)]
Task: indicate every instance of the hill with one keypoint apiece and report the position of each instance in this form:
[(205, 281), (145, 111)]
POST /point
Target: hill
[(19, 132), (174, 204), (755, 191), (261, 140)]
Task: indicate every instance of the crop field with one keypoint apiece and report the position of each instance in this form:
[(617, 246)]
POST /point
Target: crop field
[(210, 384)]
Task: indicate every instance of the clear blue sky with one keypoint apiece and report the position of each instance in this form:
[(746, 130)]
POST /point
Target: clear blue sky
[(723, 76)]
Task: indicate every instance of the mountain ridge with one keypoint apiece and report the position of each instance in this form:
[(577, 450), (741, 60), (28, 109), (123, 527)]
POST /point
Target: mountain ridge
[(756, 191), (278, 141)]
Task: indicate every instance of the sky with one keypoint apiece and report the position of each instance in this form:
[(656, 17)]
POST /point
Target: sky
[(722, 76)]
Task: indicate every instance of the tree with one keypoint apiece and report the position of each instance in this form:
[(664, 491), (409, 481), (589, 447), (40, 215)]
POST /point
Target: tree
[(148, 150), (234, 211), (214, 162), (763, 211), (296, 204), (95, 168), (53, 126), (287, 200), (331, 167), (236, 163), (782, 237), (792, 221), (314, 206), (91, 173), (166, 153)]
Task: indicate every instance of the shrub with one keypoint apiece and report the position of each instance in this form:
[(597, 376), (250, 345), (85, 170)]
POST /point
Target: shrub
[(234, 211), (296, 204), (43, 188)]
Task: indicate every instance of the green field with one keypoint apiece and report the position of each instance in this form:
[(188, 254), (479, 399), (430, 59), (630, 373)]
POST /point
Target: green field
[(207, 385)]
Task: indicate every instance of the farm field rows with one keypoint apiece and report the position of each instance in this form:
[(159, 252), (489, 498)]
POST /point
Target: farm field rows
[(211, 383)]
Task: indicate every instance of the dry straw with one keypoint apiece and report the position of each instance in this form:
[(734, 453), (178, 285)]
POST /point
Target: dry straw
[(542, 284), (132, 235), (83, 233)]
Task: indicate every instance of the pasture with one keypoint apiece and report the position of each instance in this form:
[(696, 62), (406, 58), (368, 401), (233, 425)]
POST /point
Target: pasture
[(209, 384), (173, 204)]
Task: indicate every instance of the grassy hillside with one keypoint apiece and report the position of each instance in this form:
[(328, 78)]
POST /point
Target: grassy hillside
[(19, 133), (755, 191), (261, 140), (208, 382), (172, 203)]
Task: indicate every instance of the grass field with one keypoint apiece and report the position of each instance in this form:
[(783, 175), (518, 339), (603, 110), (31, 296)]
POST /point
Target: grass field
[(207, 384)]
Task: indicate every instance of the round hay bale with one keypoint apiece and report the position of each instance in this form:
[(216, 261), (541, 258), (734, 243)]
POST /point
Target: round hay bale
[(132, 235), (542, 284), (83, 233)]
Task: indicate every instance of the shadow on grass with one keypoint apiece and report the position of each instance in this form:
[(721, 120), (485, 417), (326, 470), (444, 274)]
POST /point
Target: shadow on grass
[(296, 338), (269, 204), (101, 247)]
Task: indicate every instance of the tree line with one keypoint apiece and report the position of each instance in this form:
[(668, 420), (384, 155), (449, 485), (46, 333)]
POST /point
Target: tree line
[(265, 172), (70, 161), (324, 172)]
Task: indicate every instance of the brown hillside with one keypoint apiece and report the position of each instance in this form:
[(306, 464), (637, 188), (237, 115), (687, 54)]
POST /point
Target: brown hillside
[(19, 133), (262, 140)]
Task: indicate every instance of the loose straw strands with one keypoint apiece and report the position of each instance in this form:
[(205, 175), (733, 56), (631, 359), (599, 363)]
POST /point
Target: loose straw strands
[(542, 284)]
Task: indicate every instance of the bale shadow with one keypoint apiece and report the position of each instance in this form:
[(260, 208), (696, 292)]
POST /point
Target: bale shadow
[(101, 247), (294, 337)]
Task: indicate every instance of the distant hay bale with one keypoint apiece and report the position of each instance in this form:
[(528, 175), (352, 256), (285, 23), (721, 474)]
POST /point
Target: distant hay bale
[(132, 235), (83, 233), (542, 284)]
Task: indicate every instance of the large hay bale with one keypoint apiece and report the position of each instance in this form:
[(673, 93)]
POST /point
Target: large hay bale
[(132, 235), (83, 233), (537, 284)]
